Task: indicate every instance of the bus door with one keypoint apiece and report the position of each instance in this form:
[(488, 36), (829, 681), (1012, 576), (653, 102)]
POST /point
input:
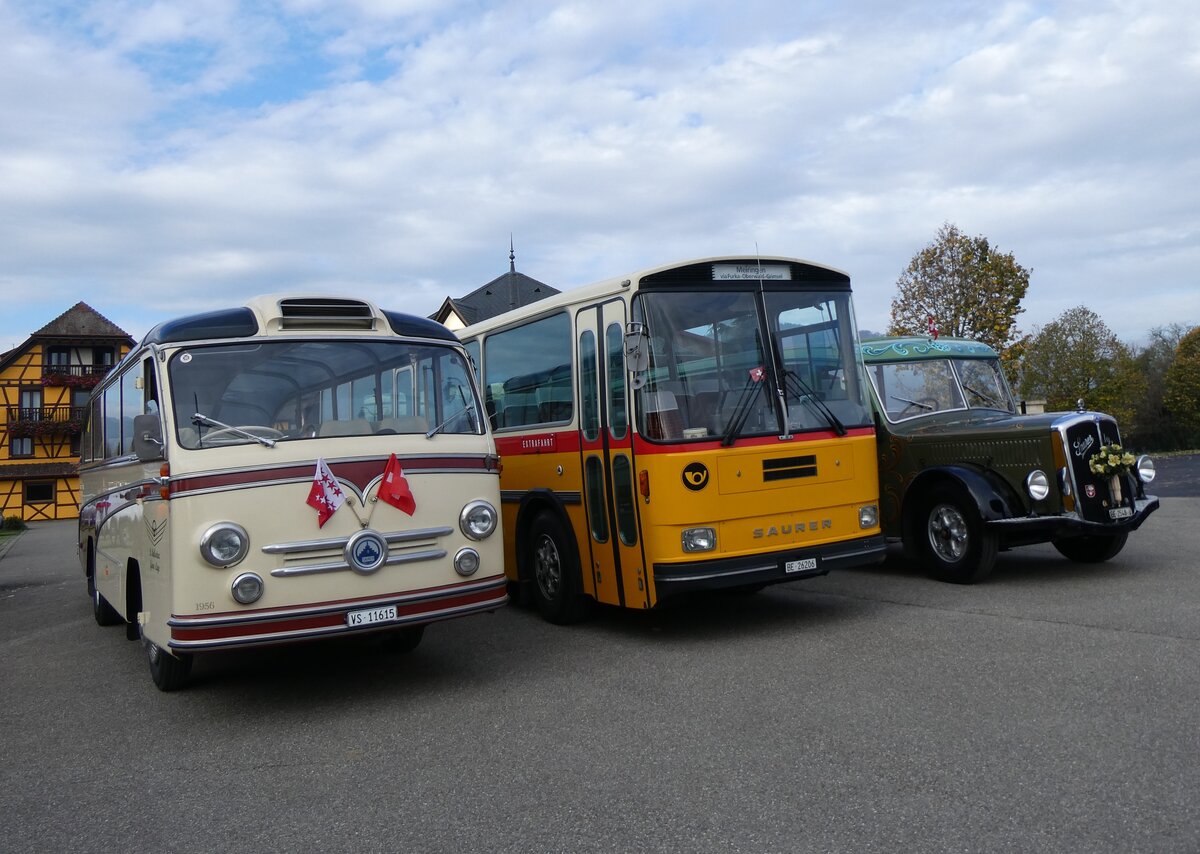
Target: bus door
[(616, 565)]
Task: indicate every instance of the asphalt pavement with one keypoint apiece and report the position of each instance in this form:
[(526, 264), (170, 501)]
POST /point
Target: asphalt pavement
[(1054, 707)]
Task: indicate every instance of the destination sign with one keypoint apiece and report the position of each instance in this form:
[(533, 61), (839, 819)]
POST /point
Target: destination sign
[(774, 272)]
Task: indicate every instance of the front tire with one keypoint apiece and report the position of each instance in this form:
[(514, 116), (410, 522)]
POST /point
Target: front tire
[(552, 562), (1093, 548), (955, 545), (401, 641), (169, 672)]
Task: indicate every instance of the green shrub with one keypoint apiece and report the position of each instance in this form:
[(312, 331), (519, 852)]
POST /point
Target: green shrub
[(13, 523)]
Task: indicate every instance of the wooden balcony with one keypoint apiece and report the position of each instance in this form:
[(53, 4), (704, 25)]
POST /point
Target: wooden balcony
[(45, 420), (74, 376)]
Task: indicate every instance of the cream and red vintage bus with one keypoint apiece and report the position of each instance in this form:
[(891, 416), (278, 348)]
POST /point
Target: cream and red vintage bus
[(700, 425), (295, 468)]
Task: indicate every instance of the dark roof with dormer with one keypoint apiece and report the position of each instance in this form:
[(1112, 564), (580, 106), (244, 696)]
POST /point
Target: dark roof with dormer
[(505, 292), (79, 323)]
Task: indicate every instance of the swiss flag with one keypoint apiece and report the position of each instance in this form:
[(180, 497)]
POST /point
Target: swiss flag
[(325, 496), (394, 488), (933, 330), (757, 374)]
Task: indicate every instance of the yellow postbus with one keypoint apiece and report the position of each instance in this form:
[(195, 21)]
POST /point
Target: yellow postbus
[(701, 425), (294, 468)]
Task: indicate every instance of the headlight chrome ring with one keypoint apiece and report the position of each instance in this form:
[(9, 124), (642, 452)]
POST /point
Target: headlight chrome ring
[(224, 544)]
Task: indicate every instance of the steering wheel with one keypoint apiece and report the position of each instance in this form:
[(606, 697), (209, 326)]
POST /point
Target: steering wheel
[(225, 435)]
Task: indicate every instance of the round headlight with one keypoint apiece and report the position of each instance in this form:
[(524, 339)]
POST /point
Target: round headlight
[(478, 520), (1037, 485), (247, 588), (224, 544), (466, 562), (1145, 469)]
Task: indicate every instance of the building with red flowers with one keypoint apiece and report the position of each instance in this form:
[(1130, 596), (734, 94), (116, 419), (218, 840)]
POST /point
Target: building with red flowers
[(44, 387)]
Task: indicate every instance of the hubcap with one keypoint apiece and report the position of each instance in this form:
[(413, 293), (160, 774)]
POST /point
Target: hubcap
[(948, 532), (547, 567)]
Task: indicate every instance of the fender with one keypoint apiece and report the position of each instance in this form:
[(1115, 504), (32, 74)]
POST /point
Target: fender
[(993, 497)]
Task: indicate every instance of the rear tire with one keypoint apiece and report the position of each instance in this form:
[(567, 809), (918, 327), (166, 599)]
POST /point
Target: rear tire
[(554, 567), (954, 542), (1093, 548), (105, 614)]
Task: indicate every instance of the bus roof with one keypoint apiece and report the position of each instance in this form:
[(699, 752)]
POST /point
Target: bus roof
[(664, 274), (289, 313), (908, 348)]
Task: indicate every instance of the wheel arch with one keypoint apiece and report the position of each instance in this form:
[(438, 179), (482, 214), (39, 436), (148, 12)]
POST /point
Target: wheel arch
[(533, 504), (991, 495), (133, 598)]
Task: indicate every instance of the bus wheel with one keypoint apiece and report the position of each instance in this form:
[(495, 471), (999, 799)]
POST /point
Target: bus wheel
[(105, 614), (555, 569), (169, 672), (1095, 548), (957, 547)]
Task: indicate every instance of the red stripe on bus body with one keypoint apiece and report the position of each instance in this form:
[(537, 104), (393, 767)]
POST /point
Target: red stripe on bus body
[(333, 619), (568, 441), (358, 472)]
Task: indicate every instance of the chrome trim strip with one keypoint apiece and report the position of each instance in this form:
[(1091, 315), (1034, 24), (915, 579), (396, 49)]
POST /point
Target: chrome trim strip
[(317, 568), (729, 574), (329, 631), (340, 607), (340, 542)]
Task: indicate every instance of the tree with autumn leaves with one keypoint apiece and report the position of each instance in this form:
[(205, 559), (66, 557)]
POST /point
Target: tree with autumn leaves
[(972, 290), (969, 288)]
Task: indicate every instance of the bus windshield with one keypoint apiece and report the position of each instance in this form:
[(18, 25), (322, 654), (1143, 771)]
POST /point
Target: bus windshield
[(924, 386), (271, 391), (712, 363)]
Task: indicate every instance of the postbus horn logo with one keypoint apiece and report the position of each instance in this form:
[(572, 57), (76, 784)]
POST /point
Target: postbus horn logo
[(695, 476)]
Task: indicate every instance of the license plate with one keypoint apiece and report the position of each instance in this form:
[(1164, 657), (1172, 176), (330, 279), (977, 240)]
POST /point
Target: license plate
[(371, 615), (802, 565), (1120, 512)]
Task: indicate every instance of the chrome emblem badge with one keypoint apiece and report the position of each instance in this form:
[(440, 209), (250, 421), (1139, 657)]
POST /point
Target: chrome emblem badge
[(366, 551), (1090, 490)]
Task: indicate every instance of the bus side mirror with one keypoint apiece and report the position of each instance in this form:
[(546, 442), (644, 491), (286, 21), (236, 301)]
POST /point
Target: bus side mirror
[(147, 437), (637, 352)]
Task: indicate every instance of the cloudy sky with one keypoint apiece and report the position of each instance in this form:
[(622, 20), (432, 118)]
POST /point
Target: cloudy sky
[(159, 157)]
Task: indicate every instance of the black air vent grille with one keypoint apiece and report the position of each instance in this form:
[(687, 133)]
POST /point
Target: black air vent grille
[(786, 468), (316, 312)]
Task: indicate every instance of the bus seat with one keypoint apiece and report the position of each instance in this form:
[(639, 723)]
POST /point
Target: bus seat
[(353, 427), (663, 419), (403, 424)]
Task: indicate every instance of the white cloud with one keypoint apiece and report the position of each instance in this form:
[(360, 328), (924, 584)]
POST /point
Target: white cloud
[(604, 137)]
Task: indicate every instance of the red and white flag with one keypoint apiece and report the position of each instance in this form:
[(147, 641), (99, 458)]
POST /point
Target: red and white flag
[(757, 374), (325, 496), (394, 490), (933, 330)]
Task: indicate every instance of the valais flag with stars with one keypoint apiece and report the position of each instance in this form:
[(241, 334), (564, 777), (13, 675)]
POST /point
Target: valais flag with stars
[(325, 496)]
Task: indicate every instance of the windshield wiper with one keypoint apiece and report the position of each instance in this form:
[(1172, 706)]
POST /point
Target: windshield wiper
[(915, 403), (742, 410), (981, 395), (797, 386), (199, 418)]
